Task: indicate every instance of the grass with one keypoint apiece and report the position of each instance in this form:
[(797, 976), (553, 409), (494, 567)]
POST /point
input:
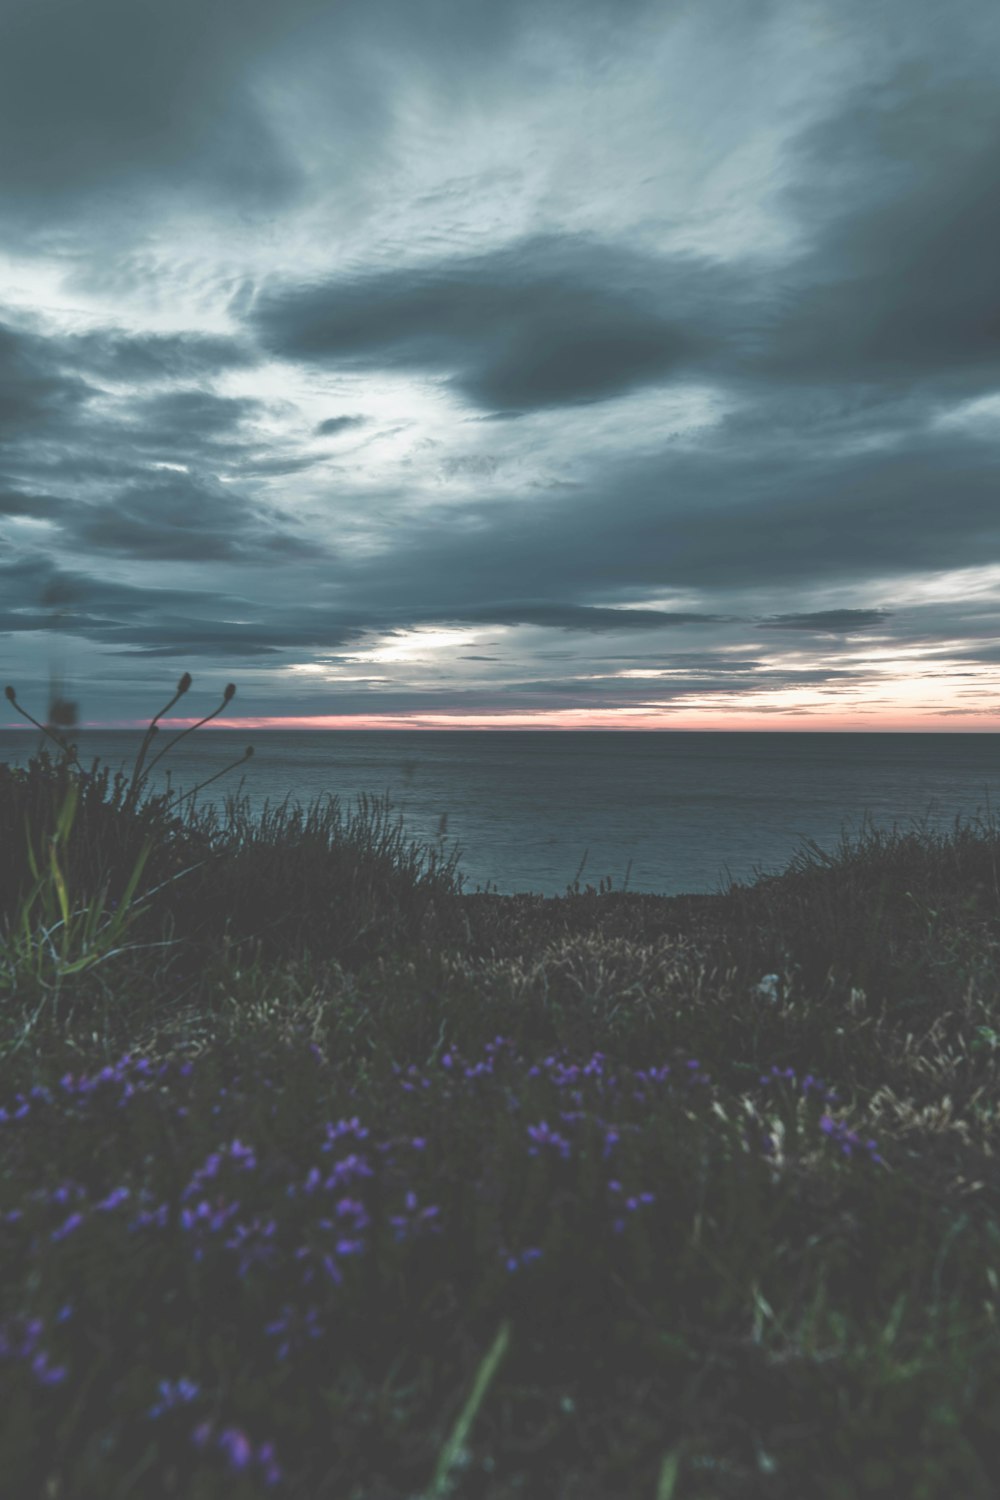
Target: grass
[(327, 1179)]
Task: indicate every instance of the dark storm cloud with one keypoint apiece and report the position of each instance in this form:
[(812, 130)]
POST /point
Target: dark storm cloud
[(186, 418), (162, 621), (176, 517), (333, 425), (716, 518), (14, 502), (828, 621), (135, 358), (552, 321), (109, 94), (102, 449), (901, 281), (33, 580), (34, 390), (587, 617), (50, 386), (114, 105)]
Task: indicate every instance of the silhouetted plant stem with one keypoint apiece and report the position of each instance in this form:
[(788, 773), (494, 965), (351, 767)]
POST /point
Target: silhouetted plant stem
[(147, 740), (67, 749), (248, 752), (227, 697)]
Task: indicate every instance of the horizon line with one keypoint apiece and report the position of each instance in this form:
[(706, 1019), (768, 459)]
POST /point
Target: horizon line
[(776, 724)]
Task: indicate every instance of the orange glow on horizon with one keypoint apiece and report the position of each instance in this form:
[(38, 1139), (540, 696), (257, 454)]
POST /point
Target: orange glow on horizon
[(816, 720)]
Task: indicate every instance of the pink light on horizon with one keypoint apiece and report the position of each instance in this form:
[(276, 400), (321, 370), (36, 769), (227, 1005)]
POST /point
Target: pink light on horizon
[(890, 719)]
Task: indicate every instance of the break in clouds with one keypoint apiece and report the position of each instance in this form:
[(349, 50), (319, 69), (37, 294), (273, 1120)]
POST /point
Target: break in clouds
[(531, 362)]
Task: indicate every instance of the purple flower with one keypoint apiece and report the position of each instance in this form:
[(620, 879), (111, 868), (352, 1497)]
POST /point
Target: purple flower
[(517, 1262), (352, 1127), (294, 1328), (174, 1393), (414, 1220), (239, 1451), (158, 1217), (348, 1169), (115, 1197), (253, 1243), (67, 1227), (315, 1260), (849, 1142), (542, 1135), (242, 1157), (267, 1461), (212, 1216), (67, 1192), (349, 1210), (45, 1373), (20, 1340)]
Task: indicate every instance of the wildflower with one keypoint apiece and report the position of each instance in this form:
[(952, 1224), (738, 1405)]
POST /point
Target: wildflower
[(20, 1340), (213, 1216), (242, 1157), (334, 1133), (67, 1227), (253, 1243), (348, 1169), (414, 1219), (115, 1197), (158, 1217), (45, 1373), (268, 1463), (542, 1135), (66, 1192), (294, 1328), (325, 1260), (518, 1262), (174, 1393), (849, 1142)]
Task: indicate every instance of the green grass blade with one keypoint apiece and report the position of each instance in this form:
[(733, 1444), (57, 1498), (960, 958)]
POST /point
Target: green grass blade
[(441, 1483), (669, 1472), (62, 893), (67, 813)]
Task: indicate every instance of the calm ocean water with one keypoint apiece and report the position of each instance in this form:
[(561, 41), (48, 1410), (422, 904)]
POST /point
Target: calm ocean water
[(679, 811)]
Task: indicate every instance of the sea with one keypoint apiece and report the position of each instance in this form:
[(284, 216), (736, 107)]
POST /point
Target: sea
[(663, 812)]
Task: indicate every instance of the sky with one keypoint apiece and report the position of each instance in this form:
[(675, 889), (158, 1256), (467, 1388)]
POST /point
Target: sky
[(626, 364)]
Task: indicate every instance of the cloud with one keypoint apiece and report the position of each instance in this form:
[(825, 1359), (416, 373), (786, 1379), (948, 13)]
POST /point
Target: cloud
[(15, 502), (333, 425), (551, 321), (666, 335), (170, 516), (137, 358), (828, 621), (34, 391), (716, 518), (186, 419), (899, 180), (566, 616), (111, 97)]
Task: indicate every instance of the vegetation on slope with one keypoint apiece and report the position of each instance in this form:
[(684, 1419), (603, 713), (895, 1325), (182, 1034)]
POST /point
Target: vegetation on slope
[(323, 1178)]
